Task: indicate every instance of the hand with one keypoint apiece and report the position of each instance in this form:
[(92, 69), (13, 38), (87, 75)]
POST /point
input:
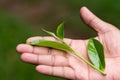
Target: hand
[(62, 64)]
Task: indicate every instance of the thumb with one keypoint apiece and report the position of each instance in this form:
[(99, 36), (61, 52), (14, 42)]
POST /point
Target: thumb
[(94, 22)]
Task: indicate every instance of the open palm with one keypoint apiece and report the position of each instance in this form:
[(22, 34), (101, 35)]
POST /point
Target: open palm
[(62, 64)]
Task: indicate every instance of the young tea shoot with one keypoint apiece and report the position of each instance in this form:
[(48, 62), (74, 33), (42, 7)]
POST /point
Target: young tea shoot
[(95, 48)]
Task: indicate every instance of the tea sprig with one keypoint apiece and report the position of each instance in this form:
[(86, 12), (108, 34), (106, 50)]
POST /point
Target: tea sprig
[(95, 48)]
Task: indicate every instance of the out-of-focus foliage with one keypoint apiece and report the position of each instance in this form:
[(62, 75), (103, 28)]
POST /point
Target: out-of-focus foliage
[(20, 19), (12, 32)]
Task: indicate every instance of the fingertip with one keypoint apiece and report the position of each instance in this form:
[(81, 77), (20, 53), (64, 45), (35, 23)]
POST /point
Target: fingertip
[(94, 22), (86, 14), (44, 69), (24, 57), (30, 58), (22, 48), (83, 8), (39, 68)]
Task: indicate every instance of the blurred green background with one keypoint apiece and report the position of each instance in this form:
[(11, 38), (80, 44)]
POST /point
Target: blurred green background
[(21, 19)]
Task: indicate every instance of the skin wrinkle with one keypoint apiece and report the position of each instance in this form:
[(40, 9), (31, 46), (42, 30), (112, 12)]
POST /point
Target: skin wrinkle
[(90, 22), (66, 55), (102, 33), (52, 71), (52, 58), (63, 72), (66, 74), (70, 44), (70, 66), (108, 51), (38, 59), (52, 61), (69, 62), (33, 49), (76, 78), (36, 52), (49, 51), (67, 58)]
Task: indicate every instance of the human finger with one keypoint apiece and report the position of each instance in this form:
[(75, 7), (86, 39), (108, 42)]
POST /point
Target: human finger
[(65, 72), (94, 22), (38, 49), (24, 48), (44, 50), (52, 60)]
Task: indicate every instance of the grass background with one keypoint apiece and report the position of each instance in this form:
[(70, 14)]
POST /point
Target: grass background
[(22, 19)]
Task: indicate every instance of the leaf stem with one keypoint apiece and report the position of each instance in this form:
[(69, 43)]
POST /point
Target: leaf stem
[(59, 38), (84, 60)]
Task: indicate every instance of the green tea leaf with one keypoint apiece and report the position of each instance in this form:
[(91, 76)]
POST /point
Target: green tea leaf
[(60, 31), (96, 53), (50, 33), (51, 44)]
